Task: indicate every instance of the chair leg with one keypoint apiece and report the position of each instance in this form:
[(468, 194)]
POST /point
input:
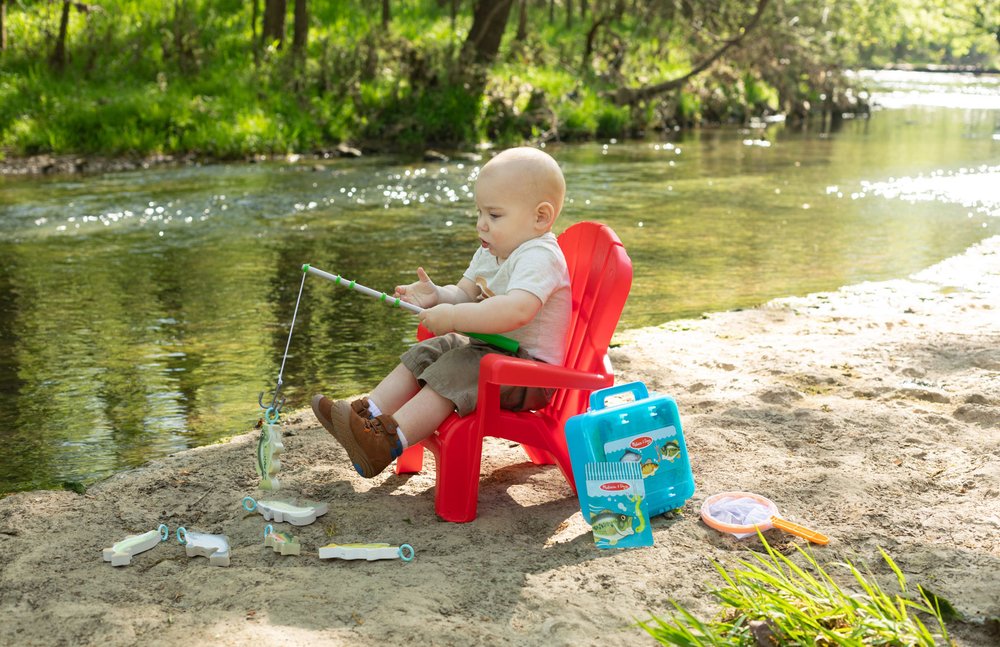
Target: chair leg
[(538, 456), (459, 457), (560, 457), (411, 461)]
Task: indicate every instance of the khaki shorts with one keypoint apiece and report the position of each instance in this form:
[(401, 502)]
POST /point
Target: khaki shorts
[(449, 364)]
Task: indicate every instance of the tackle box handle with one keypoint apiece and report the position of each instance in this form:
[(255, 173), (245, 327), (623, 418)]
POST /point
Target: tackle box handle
[(598, 398)]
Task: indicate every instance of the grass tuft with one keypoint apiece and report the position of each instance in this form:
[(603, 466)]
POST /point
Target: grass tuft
[(769, 599)]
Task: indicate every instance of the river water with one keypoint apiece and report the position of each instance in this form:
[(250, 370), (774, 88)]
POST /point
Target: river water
[(142, 312)]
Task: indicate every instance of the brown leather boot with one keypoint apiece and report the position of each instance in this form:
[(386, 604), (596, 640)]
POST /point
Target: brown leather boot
[(371, 444), (360, 407)]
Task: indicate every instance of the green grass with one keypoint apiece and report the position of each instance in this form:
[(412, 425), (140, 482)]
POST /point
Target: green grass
[(771, 597)]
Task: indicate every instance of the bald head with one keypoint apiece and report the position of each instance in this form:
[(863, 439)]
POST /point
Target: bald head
[(529, 173)]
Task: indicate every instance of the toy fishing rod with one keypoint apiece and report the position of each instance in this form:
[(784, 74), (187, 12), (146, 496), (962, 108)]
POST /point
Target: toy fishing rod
[(272, 411), (501, 342)]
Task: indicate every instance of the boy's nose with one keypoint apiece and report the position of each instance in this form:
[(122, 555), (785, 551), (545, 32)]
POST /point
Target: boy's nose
[(481, 223)]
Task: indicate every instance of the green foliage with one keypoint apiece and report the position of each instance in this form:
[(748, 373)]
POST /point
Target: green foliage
[(612, 121), (191, 76), (771, 598), (445, 115)]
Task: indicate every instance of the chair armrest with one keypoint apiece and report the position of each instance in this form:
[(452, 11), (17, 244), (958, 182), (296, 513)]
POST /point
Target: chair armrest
[(514, 371)]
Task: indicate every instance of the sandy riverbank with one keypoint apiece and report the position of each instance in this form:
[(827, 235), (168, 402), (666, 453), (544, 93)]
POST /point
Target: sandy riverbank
[(871, 414)]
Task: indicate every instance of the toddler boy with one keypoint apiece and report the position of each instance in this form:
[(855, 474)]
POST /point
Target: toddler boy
[(517, 284)]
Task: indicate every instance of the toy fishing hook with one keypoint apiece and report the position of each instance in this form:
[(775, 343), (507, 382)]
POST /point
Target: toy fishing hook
[(272, 410)]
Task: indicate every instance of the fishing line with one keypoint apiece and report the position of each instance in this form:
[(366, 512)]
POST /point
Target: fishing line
[(291, 328), (271, 412)]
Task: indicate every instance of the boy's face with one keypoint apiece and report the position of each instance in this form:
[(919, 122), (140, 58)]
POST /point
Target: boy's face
[(508, 212)]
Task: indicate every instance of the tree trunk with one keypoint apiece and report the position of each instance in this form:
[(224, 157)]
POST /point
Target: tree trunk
[(627, 96), (522, 21), (588, 48), (178, 35), (386, 14), (300, 31), (254, 16), (3, 25), (619, 10), (489, 19), (274, 22), (58, 60)]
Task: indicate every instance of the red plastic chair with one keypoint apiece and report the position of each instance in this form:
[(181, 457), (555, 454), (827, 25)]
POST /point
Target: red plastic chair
[(601, 276)]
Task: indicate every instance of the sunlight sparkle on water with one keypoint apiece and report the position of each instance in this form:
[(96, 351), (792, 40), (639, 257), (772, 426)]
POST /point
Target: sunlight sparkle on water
[(905, 89), (973, 188)]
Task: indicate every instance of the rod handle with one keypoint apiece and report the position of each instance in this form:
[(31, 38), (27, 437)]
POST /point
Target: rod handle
[(501, 342)]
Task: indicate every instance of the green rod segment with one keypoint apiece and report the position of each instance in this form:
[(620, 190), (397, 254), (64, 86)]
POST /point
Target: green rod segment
[(504, 343)]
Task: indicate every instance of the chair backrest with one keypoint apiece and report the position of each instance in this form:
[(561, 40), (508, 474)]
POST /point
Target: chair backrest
[(600, 273)]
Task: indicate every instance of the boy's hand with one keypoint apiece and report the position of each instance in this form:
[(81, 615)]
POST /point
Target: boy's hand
[(423, 293), (440, 319)]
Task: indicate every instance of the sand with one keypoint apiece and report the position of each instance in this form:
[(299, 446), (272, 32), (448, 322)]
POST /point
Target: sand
[(870, 414)]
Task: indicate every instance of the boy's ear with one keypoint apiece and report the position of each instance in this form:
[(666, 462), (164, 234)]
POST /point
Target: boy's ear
[(545, 216)]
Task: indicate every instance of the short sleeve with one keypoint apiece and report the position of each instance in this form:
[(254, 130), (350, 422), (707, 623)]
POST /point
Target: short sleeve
[(539, 271)]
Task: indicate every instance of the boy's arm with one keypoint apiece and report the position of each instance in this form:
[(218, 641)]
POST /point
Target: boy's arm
[(426, 294), (464, 292), (496, 315)]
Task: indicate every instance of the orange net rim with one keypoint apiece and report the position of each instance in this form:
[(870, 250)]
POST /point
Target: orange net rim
[(734, 528)]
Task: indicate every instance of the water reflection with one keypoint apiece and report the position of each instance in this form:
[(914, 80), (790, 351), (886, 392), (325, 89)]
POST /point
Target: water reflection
[(141, 313)]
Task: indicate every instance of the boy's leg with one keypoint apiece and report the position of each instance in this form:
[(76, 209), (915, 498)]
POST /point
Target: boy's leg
[(422, 414), (373, 443), (394, 390)]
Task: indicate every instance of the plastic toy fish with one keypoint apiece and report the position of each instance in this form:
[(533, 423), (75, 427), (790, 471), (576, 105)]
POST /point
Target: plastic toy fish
[(367, 551), (297, 515), (283, 543), (214, 547), (269, 445), (122, 552), (649, 467)]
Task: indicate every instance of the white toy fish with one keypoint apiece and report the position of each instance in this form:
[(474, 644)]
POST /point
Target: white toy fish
[(214, 547), (122, 552), (367, 551), (297, 515), (281, 542)]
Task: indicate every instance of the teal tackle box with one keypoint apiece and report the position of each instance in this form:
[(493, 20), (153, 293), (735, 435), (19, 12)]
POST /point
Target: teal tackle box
[(646, 431)]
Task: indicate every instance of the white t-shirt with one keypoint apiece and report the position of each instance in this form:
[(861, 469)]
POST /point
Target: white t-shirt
[(539, 267)]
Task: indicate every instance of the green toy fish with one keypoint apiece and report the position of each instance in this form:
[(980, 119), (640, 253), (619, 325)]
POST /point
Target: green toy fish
[(268, 446), (611, 526)]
